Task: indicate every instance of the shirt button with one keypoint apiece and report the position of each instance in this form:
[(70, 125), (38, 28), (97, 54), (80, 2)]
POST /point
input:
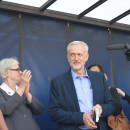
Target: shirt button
[(25, 116)]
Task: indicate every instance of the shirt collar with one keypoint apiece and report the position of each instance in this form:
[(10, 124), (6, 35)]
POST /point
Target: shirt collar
[(7, 89), (74, 75)]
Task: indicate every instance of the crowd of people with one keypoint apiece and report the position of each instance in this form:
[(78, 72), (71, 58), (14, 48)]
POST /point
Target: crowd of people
[(74, 95)]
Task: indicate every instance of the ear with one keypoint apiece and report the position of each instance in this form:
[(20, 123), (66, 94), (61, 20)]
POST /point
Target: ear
[(68, 57), (87, 56), (6, 73)]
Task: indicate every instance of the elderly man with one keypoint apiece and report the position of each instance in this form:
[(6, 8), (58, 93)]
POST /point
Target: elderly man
[(75, 94)]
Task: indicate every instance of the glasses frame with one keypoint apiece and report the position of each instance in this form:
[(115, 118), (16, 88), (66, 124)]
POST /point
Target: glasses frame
[(16, 69)]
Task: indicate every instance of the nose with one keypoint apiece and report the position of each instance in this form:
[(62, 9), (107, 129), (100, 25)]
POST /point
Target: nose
[(20, 71), (76, 57)]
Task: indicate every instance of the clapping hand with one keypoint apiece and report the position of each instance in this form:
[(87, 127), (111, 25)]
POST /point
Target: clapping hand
[(27, 74), (24, 84), (25, 79)]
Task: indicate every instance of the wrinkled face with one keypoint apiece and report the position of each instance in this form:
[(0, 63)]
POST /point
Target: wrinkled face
[(77, 57), (95, 68), (13, 73)]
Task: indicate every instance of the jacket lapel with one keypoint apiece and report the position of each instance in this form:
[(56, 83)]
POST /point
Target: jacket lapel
[(93, 85), (71, 89)]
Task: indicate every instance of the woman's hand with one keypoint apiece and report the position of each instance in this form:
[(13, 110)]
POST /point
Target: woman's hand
[(25, 79), (120, 92), (24, 82), (28, 74), (26, 91)]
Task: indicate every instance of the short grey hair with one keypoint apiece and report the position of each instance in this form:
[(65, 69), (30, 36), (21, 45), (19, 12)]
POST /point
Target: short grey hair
[(85, 46), (6, 64)]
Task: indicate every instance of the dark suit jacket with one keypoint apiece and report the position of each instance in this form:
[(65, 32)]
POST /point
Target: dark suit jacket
[(18, 112), (63, 102)]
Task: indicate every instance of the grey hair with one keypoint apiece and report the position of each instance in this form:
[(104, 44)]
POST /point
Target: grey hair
[(6, 64), (85, 46)]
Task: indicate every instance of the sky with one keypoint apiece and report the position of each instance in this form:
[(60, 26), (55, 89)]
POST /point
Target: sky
[(107, 11)]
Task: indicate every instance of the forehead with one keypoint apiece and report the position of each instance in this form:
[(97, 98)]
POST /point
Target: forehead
[(78, 48), (15, 66), (95, 68)]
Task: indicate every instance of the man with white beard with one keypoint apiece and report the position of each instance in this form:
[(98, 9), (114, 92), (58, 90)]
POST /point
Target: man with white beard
[(76, 94)]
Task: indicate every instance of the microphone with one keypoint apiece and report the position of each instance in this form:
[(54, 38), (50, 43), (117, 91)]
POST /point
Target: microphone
[(116, 47), (124, 47)]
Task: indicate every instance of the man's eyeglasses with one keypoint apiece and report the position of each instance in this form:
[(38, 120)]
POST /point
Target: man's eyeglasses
[(16, 69)]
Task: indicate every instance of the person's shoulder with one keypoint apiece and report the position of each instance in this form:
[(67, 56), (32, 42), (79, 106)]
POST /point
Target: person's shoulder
[(2, 92), (94, 73)]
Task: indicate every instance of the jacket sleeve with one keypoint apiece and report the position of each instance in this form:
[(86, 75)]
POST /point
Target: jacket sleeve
[(9, 105), (115, 95), (35, 106), (108, 107), (58, 113), (127, 98)]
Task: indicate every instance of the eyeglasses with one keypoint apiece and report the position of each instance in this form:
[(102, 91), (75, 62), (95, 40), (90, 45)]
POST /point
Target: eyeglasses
[(16, 69)]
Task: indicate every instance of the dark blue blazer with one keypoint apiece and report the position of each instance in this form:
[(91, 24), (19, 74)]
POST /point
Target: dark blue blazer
[(63, 103)]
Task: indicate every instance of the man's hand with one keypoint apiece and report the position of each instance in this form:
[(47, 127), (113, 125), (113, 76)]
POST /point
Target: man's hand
[(97, 107), (88, 121)]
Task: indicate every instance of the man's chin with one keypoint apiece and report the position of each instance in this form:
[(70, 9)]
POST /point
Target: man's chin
[(76, 68)]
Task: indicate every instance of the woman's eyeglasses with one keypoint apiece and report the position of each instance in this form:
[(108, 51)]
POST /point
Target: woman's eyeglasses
[(16, 69)]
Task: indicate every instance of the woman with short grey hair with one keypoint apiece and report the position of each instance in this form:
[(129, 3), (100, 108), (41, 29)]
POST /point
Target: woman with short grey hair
[(16, 102)]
